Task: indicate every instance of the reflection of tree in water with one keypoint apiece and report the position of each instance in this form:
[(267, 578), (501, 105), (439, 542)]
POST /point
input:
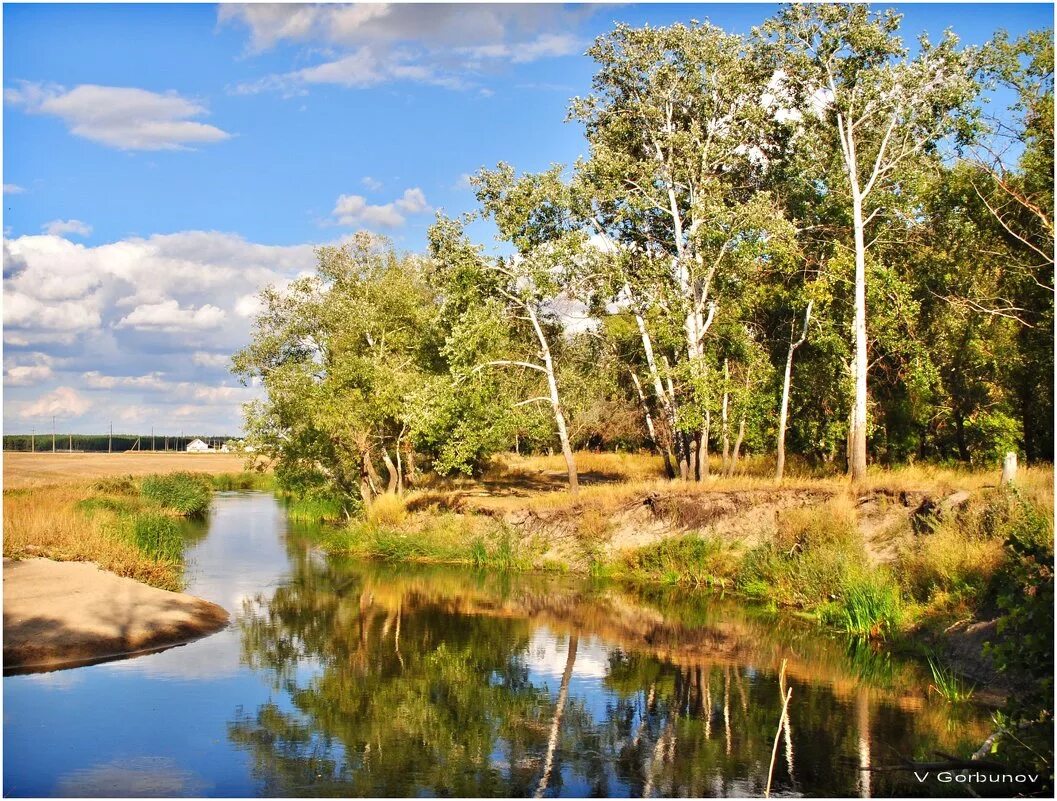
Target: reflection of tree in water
[(415, 689)]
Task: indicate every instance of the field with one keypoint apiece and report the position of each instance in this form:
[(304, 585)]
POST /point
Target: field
[(29, 470)]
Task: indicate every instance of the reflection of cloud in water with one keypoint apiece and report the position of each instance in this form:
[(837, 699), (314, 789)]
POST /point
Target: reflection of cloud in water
[(155, 777), (547, 653), (55, 679)]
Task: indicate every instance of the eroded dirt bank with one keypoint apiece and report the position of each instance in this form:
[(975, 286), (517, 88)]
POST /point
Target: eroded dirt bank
[(61, 614)]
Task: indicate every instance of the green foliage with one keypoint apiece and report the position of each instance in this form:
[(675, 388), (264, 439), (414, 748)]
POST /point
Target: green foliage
[(868, 605), (1025, 648), (948, 684), (691, 560), (187, 494), (157, 535), (246, 480)]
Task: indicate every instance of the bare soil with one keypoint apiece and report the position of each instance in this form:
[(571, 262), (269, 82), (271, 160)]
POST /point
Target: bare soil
[(63, 614)]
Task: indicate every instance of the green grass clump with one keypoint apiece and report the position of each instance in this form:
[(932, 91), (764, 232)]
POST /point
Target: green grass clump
[(315, 509), (948, 685), (869, 605), (187, 494), (158, 536), (246, 480), (691, 560)]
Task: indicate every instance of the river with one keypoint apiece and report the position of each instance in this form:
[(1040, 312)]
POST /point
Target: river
[(340, 678)]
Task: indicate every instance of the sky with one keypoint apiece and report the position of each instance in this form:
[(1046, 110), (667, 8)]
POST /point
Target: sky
[(163, 163)]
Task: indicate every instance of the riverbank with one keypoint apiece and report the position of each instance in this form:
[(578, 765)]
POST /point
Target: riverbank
[(925, 558), (63, 614)]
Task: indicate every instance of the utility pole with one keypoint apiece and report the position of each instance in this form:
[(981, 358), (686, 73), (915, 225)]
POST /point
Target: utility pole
[(152, 448), (71, 443), (33, 441), (53, 433), (110, 442)]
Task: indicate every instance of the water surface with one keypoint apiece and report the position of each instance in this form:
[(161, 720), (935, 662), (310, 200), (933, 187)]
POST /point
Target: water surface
[(343, 678)]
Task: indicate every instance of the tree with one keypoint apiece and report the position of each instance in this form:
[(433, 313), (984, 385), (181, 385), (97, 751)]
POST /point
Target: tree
[(676, 126), (520, 291), (343, 356), (847, 72)]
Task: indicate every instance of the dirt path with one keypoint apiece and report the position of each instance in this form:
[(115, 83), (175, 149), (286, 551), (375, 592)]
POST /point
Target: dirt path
[(61, 614)]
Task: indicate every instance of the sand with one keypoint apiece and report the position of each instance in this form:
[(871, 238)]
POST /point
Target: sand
[(63, 614)]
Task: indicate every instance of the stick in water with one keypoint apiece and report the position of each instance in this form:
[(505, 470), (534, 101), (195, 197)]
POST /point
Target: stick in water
[(781, 723)]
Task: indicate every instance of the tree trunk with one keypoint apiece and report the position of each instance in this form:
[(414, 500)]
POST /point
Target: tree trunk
[(559, 711), (667, 401), (724, 427), (783, 415), (390, 468), (559, 416), (857, 455), (737, 446), (702, 452), (658, 446)]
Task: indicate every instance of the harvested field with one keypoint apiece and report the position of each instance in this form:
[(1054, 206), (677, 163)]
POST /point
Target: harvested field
[(27, 470)]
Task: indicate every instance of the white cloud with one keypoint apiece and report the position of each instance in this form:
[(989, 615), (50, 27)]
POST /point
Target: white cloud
[(373, 184), (440, 44), (152, 381), (122, 117), (548, 45), (61, 227), (169, 315), (27, 375), (13, 189), (151, 322), (60, 402), (205, 359), (463, 182), (351, 210)]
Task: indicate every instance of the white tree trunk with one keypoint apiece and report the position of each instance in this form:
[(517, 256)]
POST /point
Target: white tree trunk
[(857, 457), (783, 414), (556, 407), (724, 427)]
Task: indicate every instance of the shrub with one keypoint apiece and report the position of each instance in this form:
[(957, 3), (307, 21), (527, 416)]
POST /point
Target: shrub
[(185, 493), (116, 485)]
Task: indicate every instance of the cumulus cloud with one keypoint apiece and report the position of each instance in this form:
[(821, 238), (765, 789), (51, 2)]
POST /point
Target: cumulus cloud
[(122, 117), (351, 210), (60, 402), (151, 322), (26, 375), (62, 227), (13, 189), (373, 184), (213, 360), (447, 45), (169, 315)]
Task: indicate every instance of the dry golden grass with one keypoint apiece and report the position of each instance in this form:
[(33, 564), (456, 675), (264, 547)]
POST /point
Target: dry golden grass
[(45, 522), (23, 470)]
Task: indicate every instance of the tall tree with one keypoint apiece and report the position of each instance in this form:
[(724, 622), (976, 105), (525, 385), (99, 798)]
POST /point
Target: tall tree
[(846, 71)]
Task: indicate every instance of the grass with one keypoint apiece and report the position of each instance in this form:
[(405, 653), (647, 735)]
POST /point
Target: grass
[(245, 480), (188, 494), (314, 509), (948, 684), (869, 605), (158, 536), (70, 523), (692, 560)]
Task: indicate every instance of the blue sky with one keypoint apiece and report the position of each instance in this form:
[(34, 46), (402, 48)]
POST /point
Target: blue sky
[(161, 163)]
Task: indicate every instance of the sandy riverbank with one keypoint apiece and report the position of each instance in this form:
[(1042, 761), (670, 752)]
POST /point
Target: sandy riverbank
[(62, 614)]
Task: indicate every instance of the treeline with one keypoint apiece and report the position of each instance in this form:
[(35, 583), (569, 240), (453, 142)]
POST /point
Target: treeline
[(813, 237), (95, 443)]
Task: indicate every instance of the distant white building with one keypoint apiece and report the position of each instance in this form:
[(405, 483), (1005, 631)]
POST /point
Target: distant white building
[(197, 446)]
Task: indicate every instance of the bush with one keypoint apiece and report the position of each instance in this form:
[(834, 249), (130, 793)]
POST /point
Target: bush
[(158, 536), (186, 493)]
